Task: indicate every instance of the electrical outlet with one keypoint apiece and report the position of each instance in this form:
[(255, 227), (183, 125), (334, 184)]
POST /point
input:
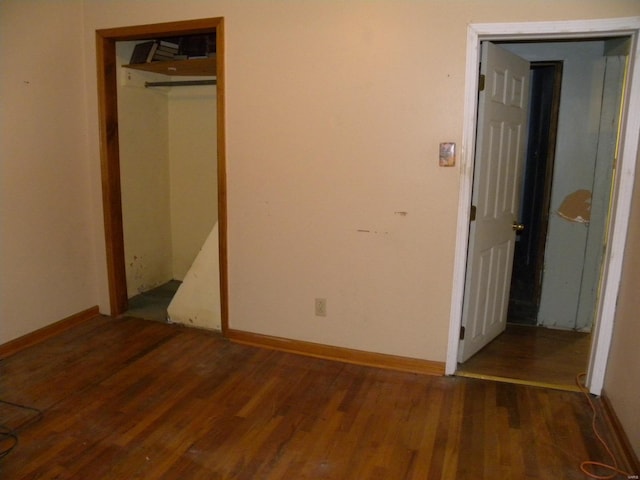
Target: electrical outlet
[(321, 307)]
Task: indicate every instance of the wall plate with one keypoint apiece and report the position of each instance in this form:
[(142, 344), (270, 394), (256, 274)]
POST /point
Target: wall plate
[(447, 154)]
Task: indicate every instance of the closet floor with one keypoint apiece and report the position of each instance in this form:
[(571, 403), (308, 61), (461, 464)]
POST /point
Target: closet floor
[(152, 304)]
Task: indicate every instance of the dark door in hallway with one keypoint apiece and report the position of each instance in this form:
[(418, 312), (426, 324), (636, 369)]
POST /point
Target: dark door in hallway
[(526, 280)]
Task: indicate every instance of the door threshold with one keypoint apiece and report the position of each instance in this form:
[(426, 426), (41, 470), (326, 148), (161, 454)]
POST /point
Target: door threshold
[(518, 381)]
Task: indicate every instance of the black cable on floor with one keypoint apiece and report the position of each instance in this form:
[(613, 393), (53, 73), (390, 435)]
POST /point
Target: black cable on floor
[(10, 435), (7, 435)]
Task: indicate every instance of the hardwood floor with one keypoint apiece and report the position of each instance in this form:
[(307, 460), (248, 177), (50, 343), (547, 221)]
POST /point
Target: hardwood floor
[(128, 398), (532, 354)]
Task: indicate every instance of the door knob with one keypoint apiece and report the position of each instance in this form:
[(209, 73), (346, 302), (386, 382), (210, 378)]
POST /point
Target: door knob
[(517, 227)]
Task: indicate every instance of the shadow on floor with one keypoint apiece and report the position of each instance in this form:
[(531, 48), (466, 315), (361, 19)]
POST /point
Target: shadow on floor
[(152, 304)]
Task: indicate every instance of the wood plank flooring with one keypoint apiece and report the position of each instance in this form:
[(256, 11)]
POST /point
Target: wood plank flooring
[(533, 354), (134, 399)]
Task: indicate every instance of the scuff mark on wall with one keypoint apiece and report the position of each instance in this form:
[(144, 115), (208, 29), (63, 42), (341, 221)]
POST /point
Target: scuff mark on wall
[(576, 207), (372, 231), (138, 276), (137, 273), (403, 214)]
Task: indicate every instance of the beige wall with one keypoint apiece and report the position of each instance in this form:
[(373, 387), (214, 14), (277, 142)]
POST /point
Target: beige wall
[(335, 111), (143, 129), (47, 226), (622, 385), (334, 115), (193, 165)]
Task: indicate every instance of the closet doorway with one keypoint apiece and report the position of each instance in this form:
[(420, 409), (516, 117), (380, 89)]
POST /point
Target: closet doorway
[(108, 78)]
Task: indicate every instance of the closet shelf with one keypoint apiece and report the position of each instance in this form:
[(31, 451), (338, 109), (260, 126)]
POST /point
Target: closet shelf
[(196, 67)]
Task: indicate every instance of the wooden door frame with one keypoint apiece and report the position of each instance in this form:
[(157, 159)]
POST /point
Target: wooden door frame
[(618, 222), (109, 148)]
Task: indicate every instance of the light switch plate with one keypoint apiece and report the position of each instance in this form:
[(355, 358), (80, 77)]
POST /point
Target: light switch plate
[(447, 154)]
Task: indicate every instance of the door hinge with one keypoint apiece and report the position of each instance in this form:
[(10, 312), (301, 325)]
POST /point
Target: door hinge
[(462, 333), (481, 82), (472, 213)]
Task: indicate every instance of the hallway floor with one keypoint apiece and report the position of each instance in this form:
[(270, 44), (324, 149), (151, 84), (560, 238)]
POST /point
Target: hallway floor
[(532, 355)]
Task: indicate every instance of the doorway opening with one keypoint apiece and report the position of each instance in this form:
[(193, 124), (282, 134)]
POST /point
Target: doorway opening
[(606, 283), (524, 352), (528, 261), (108, 67), (582, 165)]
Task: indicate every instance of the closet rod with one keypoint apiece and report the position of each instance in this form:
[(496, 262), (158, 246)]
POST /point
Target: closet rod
[(179, 83)]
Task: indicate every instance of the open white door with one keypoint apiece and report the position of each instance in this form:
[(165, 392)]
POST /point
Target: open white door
[(501, 142)]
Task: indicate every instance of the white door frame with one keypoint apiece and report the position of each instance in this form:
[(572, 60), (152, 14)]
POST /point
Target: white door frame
[(622, 188)]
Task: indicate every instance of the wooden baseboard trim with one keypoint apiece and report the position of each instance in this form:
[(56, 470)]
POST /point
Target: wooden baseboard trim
[(14, 346), (613, 422), (340, 354)]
